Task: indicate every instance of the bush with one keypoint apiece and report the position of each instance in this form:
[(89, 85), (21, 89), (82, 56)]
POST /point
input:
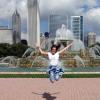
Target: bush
[(12, 50)]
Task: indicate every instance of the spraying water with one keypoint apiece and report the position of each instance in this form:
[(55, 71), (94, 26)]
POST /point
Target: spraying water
[(79, 61)]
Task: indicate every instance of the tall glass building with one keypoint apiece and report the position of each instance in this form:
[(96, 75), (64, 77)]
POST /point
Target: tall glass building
[(77, 27), (16, 27), (55, 22)]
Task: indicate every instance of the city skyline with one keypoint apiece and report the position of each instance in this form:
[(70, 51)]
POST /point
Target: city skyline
[(89, 9)]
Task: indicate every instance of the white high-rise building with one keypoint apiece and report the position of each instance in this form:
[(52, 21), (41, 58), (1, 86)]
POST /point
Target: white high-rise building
[(91, 38), (77, 27), (6, 35), (33, 23)]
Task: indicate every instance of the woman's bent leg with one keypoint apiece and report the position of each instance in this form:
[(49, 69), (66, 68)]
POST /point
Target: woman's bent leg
[(58, 74), (57, 77), (52, 76)]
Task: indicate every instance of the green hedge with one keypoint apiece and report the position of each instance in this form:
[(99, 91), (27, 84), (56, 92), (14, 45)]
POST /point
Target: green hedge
[(46, 76), (81, 76)]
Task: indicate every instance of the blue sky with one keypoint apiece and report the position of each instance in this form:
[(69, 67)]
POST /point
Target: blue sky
[(90, 9), (44, 25)]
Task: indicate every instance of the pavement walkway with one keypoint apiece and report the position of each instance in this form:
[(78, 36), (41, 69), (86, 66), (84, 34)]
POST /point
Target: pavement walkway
[(43, 89)]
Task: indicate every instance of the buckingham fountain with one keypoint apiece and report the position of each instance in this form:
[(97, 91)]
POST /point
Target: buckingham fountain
[(77, 56)]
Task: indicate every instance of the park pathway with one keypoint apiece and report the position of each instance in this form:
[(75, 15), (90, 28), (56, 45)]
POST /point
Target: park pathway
[(43, 89)]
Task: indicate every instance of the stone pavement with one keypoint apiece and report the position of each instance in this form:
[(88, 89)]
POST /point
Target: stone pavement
[(43, 89)]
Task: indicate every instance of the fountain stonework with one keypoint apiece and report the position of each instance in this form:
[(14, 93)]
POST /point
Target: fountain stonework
[(31, 58), (77, 56)]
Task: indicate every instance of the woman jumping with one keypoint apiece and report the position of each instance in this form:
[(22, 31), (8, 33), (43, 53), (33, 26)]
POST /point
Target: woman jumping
[(54, 70)]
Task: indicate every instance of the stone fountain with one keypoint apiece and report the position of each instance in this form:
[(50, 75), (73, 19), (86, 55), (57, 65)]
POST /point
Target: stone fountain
[(64, 36), (76, 56), (9, 61)]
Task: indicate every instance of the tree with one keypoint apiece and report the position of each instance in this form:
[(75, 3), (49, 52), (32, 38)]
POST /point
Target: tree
[(12, 50)]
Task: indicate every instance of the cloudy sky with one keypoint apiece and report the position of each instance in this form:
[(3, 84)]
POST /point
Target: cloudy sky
[(90, 9)]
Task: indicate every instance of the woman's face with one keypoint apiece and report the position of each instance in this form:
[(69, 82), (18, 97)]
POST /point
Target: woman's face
[(53, 50)]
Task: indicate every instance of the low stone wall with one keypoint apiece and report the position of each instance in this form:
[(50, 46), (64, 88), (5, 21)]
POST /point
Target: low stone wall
[(40, 61)]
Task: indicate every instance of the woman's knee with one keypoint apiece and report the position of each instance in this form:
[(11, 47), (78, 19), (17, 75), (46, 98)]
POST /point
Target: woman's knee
[(57, 77)]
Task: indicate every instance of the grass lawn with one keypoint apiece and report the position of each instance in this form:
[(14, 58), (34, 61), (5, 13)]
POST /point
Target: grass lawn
[(46, 76)]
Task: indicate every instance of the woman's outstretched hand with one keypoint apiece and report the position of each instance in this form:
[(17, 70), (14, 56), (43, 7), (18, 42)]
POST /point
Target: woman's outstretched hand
[(71, 43), (63, 50)]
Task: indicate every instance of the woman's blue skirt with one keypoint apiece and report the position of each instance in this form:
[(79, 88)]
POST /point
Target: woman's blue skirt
[(55, 69)]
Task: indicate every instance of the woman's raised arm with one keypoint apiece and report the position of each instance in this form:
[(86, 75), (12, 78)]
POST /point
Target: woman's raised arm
[(42, 52), (64, 49)]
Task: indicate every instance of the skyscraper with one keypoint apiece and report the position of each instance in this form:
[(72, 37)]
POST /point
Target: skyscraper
[(16, 27), (55, 22), (91, 38), (33, 23), (77, 27)]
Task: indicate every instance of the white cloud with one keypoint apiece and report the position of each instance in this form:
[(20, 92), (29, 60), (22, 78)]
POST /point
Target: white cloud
[(91, 3), (46, 7), (67, 7), (92, 18), (22, 7), (7, 7), (95, 12)]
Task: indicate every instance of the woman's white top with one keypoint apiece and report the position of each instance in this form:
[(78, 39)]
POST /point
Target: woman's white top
[(53, 59)]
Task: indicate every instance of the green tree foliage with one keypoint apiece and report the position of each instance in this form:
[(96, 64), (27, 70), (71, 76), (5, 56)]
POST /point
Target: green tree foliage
[(12, 50), (98, 43)]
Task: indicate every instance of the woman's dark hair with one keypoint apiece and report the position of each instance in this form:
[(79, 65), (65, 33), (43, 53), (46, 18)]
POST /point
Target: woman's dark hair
[(55, 46)]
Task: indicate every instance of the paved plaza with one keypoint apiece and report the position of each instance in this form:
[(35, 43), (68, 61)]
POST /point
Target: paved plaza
[(43, 89)]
